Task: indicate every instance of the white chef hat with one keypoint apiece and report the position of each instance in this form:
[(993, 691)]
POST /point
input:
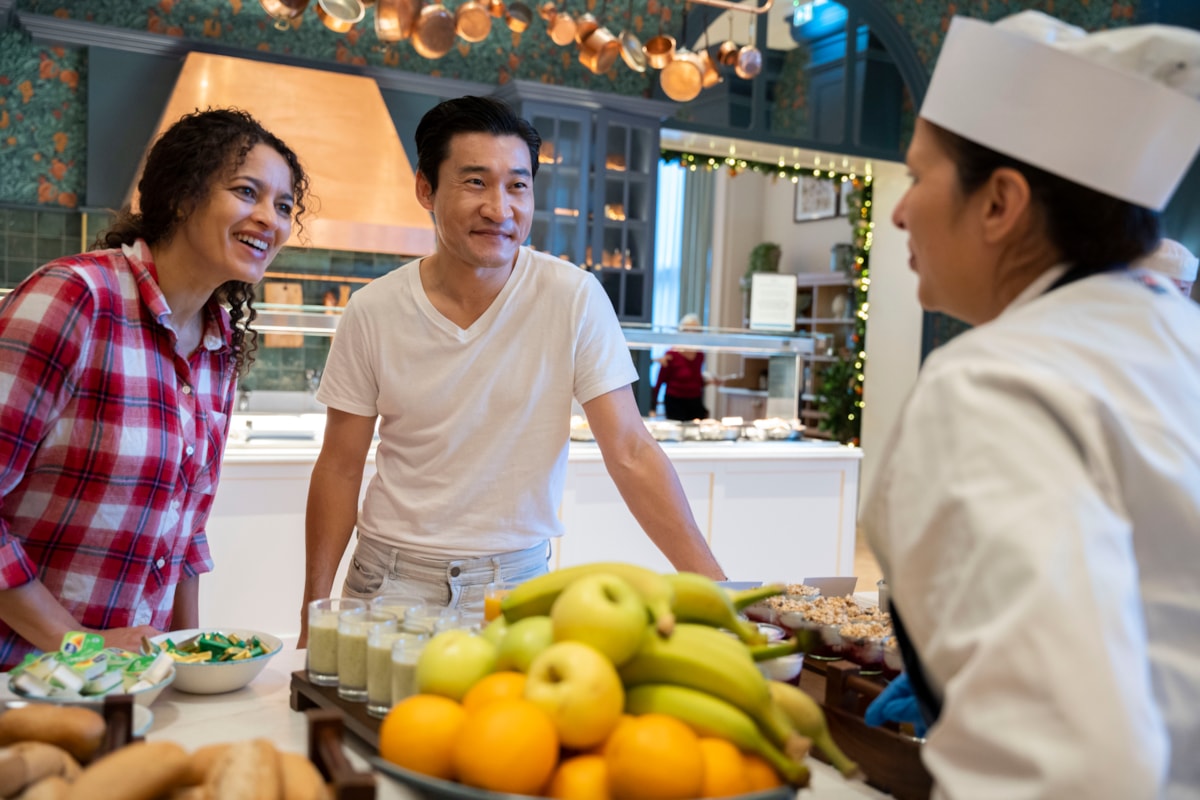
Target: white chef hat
[(1173, 260), (1115, 111)]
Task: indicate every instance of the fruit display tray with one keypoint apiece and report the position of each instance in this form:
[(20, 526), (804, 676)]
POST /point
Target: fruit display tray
[(889, 758), (306, 695)]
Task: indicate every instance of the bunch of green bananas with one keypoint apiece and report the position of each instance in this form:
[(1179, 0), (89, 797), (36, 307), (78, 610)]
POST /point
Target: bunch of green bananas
[(690, 668)]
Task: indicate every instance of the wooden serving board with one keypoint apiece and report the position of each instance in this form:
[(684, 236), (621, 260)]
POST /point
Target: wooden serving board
[(291, 294), (306, 695)]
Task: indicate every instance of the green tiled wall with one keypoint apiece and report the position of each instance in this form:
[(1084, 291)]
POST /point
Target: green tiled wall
[(30, 238)]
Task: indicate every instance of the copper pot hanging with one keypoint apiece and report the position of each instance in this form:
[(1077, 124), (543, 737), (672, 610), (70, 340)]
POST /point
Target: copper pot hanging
[(283, 11), (600, 51), (727, 53), (340, 15), (394, 19), (518, 16), (433, 35), (709, 75), (497, 9), (659, 50), (749, 58), (584, 25), (562, 28), (473, 21), (682, 78)]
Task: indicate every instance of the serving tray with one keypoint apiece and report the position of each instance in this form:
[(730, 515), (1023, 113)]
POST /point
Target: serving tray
[(306, 695)]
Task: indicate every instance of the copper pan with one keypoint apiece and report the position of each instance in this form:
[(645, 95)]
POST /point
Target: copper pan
[(497, 9), (600, 51), (709, 76), (518, 16), (584, 26), (433, 35), (283, 11), (562, 28), (473, 21), (394, 19), (682, 78), (727, 53), (749, 62), (548, 11), (659, 50), (340, 15)]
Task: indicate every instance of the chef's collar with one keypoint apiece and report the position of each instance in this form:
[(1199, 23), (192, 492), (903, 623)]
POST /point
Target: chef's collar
[(1040, 285)]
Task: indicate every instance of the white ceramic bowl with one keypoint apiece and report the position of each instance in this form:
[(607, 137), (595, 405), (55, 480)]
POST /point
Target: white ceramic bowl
[(217, 677), (783, 668), (143, 697)]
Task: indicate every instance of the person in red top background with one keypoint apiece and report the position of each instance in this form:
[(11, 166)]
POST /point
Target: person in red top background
[(681, 370), (117, 378)]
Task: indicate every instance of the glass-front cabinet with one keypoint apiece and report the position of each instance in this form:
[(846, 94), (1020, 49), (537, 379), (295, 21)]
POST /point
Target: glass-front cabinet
[(625, 176), (561, 187), (595, 187)]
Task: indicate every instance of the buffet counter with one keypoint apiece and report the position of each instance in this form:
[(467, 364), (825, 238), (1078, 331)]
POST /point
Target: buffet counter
[(774, 510), (262, 710)]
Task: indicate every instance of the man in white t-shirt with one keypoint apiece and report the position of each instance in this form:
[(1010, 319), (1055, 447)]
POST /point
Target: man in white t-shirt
[(470, 359)]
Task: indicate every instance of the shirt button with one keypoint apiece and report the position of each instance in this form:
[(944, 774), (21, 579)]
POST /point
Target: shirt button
[(189, 450), (455, 572), (162, 562), (187, 390)]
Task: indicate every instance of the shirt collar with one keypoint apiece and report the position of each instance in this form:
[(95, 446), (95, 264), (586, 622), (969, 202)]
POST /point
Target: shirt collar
[(1037, 287), (218, 332)]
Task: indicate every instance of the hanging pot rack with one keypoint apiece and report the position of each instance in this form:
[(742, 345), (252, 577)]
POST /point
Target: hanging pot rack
[(731, 6)]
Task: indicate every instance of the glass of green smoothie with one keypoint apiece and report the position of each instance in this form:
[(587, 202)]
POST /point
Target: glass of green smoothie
[(323, 637)]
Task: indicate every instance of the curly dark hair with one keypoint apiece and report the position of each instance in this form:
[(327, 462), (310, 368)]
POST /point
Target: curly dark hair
[(178, 175)]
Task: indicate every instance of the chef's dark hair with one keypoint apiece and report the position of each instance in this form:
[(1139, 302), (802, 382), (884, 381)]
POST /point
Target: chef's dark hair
[(469, 115), (179, 173), (1090, 229)]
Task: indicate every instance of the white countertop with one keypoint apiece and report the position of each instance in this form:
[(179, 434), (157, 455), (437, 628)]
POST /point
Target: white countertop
[(262, 709)]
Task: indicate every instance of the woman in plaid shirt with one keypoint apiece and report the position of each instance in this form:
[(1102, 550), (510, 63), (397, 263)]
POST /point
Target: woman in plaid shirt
[(117, 375)]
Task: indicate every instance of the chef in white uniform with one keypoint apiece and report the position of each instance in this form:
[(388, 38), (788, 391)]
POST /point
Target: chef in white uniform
[(1175, 261), (1037, 517)]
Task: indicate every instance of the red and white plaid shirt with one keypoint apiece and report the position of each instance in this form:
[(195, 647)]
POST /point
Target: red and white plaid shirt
[(110, 443)]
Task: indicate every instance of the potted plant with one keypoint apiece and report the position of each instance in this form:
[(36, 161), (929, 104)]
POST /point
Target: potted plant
[(763, 258)]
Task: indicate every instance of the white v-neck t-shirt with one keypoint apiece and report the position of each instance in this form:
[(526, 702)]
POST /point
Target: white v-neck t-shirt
[(474, 423)]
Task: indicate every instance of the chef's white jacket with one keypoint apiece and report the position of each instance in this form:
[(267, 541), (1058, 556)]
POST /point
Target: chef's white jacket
[(1037, 519)]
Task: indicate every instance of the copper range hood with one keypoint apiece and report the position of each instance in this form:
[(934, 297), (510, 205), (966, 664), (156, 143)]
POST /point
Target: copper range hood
[(340, 128)]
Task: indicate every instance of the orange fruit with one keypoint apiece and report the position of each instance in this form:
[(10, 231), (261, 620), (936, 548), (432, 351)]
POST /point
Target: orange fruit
[(497, 686), (582, 777), (602, 748), (759, 773), (655, 757), (507, 745), (419, 733), (724, 769)]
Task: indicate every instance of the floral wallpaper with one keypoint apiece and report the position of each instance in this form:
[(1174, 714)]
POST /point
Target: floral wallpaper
[(43, 137), (928, 20), (43, 91)]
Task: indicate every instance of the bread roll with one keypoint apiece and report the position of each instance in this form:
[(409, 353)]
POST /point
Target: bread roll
[(79, 731), (301, 778), (25, 763), (202, 761), (140, 771), (246, 771), (54, 788)]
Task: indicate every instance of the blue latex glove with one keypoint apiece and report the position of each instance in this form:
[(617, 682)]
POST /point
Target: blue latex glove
[(897, 703)]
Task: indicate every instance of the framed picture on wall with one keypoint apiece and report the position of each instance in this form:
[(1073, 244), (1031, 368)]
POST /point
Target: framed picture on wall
[(816, 198)]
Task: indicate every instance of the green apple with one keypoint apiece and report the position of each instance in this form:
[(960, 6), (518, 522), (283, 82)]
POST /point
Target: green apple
[(495, 630), (604, 611), (579, 688), (523, 641), (452, 662)]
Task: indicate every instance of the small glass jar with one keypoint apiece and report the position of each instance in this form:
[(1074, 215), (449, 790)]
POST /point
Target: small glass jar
[(397, 604), (405, 652), (432, 620), (354, 626), (379, 668), (322, 659)]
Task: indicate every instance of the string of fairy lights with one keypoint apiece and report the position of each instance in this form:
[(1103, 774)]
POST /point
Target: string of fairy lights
[(841, 394)]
